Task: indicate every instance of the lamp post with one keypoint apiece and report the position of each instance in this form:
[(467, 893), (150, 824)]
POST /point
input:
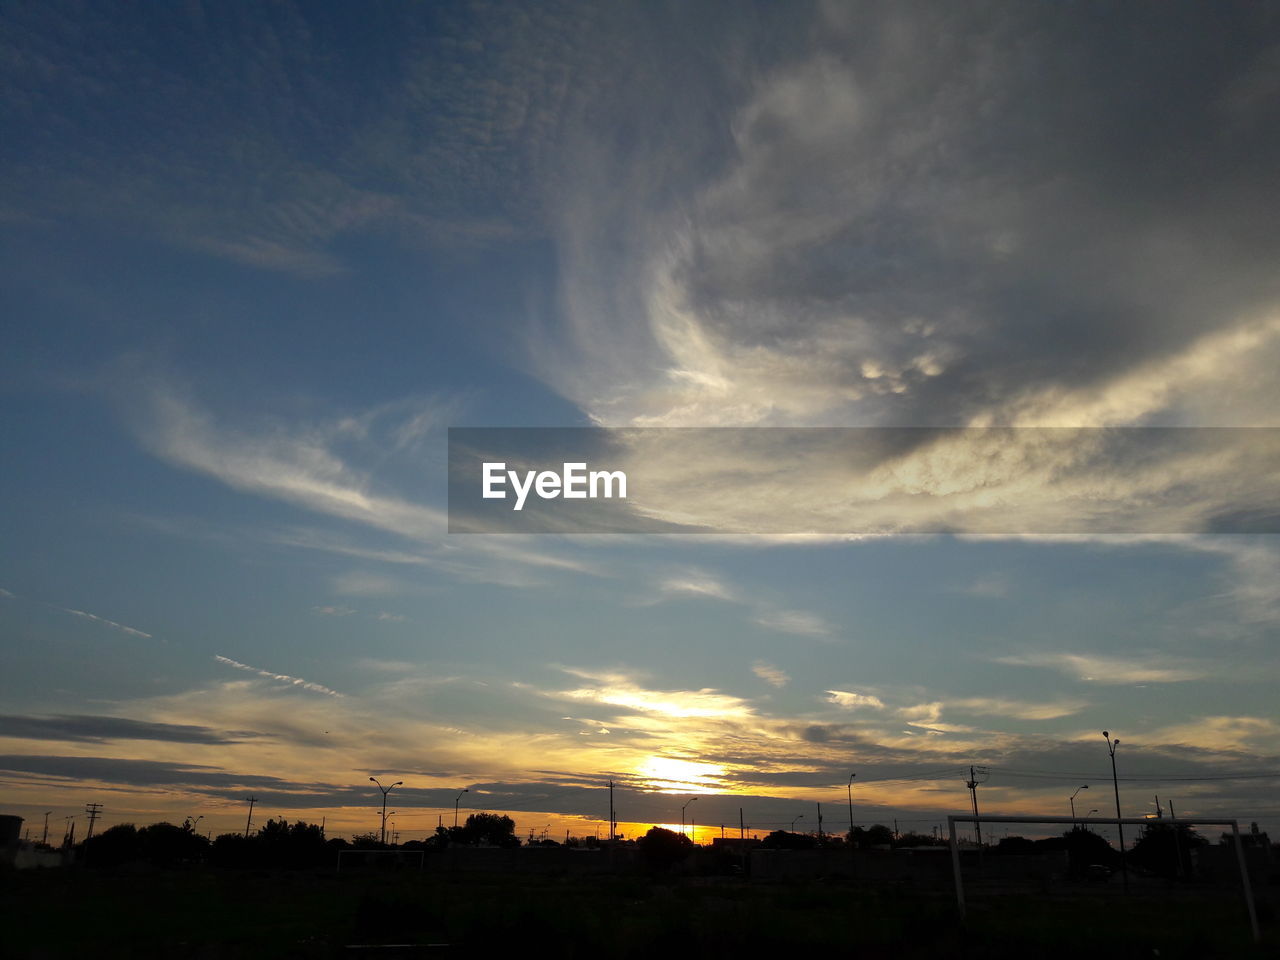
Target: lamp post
[(385, 791), (849, 791), (1115, 783), (1072, 801), (793, 822), (44, 840), (682, 809), (456, 801)]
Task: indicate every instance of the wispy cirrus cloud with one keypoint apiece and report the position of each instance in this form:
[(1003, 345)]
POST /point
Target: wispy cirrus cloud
[(764, 613), (109, 623), (1097, 668), (796, 622), (773, 675), (278, 677), (332, 611), (305, 465)]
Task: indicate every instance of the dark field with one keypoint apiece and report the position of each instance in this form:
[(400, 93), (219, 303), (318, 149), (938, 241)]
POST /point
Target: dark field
[(208, 913)]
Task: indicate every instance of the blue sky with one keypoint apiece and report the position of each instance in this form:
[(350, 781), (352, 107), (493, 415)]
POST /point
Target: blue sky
[(257, 261)]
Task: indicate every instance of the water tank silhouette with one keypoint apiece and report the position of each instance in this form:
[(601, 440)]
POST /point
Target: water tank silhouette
[(10, 831)]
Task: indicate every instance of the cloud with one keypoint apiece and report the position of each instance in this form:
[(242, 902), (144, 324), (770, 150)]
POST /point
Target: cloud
[(99, 729), (959, 246), (958, 251), (279, 677), (995, 586), (698, 584), (850, 700), (793, 621), (306, 465), (334, 611), (770, 674), (1105, 669), (1017, 709), (109, 623), (620, 690), (1218, 733)]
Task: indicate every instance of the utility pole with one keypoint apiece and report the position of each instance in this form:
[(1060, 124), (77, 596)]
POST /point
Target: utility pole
[(819, 823), (977, 775), (1115, 783), (44, 840), (613, 814), (849, 791), (94, 810), (248, 823)]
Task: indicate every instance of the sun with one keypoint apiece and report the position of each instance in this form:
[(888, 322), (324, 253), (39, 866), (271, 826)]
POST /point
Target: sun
[(673, 775)]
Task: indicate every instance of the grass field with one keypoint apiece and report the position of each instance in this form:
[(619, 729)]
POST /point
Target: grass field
[(210, 913)]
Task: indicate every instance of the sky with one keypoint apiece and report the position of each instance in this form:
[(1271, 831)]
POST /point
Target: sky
[(257, 260)]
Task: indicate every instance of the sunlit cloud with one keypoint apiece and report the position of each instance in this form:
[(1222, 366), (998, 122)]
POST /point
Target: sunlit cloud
[(851, 700), (1097, 668), (620, 690), (770, 674)]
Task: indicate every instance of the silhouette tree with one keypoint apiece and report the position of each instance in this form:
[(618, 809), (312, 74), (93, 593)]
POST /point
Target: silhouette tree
[(1165, 848), (785, 840), (492, 829), (166, 844), (879, 836), (1086, 849), (163, 844), (662, 849), (114, 846)]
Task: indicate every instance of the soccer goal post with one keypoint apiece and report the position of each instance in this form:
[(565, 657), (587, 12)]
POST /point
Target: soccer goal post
[(953, 819)]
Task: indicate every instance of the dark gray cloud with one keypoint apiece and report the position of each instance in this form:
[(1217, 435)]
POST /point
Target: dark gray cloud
[(91, 728), (932, 211)]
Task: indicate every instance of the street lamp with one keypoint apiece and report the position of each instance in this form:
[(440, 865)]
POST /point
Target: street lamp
[(1115, 783), (682, 809), (456, 800), (1072, 801), (793, 822), (849, 790), (385, 791)]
